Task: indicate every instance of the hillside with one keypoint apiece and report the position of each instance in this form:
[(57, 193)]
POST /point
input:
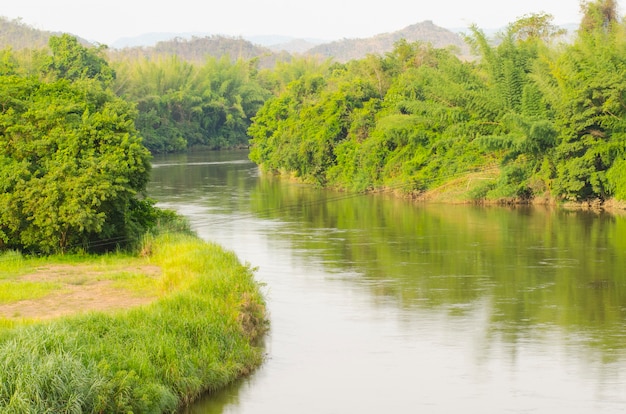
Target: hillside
[(349, 49), (197, 49), (18, 35)]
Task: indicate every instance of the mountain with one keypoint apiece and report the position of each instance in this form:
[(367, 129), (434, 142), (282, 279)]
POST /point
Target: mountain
[(268, 49), (197, 49), (297, 46), (340, 50), (277, 43), (18, 35), (348, 49), (151, 39), (286, 43)]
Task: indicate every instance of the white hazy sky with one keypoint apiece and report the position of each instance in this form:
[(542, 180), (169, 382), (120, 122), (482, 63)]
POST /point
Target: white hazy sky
[(107, 21)]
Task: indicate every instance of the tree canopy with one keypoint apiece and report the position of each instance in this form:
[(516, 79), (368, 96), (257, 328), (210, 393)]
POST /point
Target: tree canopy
[(183, 105), (539, 116), (72, 166)]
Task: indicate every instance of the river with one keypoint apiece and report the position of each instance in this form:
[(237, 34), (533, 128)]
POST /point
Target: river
[(380, 305)]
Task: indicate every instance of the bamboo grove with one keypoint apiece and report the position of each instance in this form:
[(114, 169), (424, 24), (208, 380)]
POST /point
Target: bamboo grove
[(538, 113)]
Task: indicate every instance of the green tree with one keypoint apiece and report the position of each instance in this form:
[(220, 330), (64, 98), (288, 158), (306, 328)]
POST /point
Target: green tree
[(71, 60), (71, 167), (183, 105), (585, 85)]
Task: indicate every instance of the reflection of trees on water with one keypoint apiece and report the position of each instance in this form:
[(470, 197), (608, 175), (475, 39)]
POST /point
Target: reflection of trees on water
[(529, 268), (536, 267)]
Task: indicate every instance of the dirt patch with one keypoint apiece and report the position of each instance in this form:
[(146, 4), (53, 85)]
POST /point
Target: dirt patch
[(83, 289)]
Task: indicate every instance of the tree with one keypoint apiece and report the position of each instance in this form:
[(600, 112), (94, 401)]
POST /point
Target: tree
[(71, 60), (598, 15), (184, 105), (585, 87), (536, 26), (71, 167)]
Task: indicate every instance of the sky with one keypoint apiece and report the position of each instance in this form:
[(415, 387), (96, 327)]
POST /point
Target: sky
[(107, 21)]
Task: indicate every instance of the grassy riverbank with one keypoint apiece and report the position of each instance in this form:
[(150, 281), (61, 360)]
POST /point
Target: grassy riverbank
[(197, 334)]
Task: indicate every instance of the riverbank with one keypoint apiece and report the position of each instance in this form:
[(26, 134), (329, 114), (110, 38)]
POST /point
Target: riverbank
[(469, 188), (464, 190), (198, 333)]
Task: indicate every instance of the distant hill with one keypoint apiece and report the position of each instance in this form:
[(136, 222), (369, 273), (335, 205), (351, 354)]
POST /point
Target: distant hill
[(349, 49), (151, 39), (276, 43), (197, 49), (299, 46), (18, 35)]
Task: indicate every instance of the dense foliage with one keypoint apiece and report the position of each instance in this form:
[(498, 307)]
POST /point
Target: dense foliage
[(76, 131), (537, 117), (71, 162), (183, 105)]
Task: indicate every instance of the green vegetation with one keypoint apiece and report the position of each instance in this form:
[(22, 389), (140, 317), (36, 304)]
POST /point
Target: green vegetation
[(183, 105), (198, 49), (531, 118), (72, 166), (18, 35), (547, 117), (196, 338), (73, 174)]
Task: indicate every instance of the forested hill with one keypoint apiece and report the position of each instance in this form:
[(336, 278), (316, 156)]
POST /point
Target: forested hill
[(427, 32), (18, 35), (198, 49)]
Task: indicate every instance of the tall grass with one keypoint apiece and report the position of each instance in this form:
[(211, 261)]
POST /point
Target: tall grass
[(198, 337)]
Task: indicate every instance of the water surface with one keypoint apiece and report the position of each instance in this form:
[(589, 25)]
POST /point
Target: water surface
[(383, 305)]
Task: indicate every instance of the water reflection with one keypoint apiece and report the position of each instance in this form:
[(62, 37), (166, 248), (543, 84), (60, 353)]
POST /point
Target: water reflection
[(380, 304)]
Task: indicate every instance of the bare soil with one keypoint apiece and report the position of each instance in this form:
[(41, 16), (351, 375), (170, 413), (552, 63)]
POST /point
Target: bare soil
[(83, 290)]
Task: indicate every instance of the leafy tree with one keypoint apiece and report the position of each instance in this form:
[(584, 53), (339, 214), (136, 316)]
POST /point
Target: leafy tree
[(551, 117), (183, 105), (71, 60), (585, 86), (598, 15), (71, 167)]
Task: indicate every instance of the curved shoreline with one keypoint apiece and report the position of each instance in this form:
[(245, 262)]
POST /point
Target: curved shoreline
[(198, 337)]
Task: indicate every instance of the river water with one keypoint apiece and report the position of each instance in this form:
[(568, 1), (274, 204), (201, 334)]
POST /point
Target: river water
[(380, 305)]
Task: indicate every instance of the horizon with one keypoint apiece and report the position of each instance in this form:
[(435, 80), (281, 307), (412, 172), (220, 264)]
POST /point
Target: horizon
[(325, 20)]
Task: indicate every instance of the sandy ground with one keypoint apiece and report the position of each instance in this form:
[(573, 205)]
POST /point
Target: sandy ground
[(83, 290)]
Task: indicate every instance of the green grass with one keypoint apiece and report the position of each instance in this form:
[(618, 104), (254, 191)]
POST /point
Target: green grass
[(198, 337), (12, 263), (135, 282), (14, 291)]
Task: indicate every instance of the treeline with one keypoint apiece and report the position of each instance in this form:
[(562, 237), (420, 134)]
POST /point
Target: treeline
[(76, 131), (182, 105), (539, 117)]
